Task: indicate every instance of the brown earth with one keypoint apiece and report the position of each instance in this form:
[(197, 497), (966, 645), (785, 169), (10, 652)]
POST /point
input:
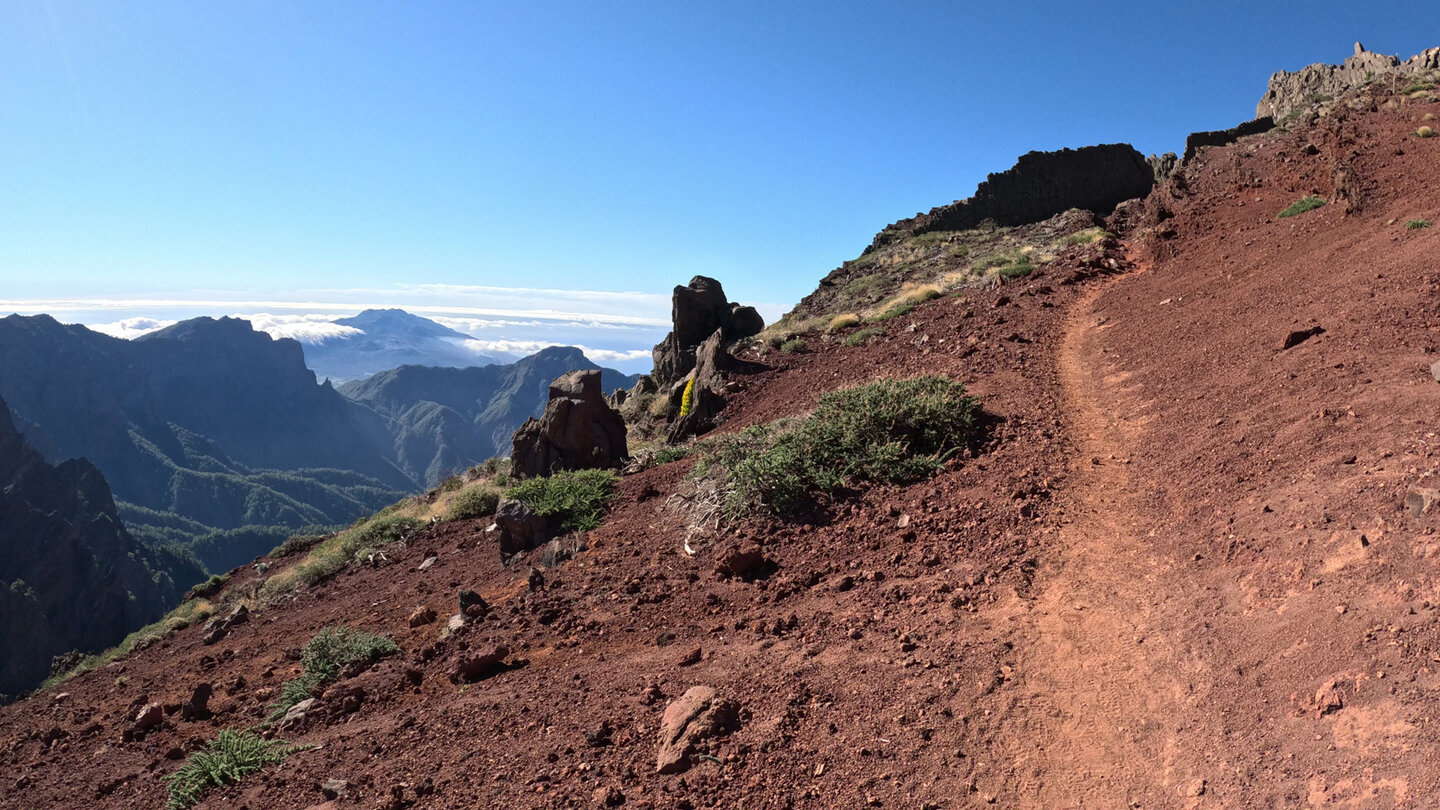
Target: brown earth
[(1181, 574)]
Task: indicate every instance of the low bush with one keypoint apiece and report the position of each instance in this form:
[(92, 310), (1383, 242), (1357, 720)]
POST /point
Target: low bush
[(793, 346), (576, 498), (863, 336), (475, 501), (671, 454), (1425, 132), (326, 657), (1302, 205), (1019, 269), (297, 543), (1417, 224), (895, 431), (225, 760)]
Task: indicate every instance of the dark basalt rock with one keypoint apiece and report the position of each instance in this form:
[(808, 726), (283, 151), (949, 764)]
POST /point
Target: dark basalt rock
[(697, 311), (578, 431)]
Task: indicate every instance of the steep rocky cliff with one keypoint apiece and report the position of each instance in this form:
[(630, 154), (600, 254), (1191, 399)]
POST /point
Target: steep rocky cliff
[(71, 577)]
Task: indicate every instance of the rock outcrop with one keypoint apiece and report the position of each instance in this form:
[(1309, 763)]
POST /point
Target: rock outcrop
[(707, 386), (71, 577), (696, 312), (578, 431), (1220, 137), (1294, 92), (1039, 186)]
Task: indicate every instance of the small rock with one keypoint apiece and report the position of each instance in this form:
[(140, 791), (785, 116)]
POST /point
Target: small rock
[(744, 562), (475, 667), (1421, 501), (535, 580), (295, 717), (1328, 698), (600, 736), (1300, 336), (426, 563), (197, 708), (456, 623), (149, 716), (335, 788), (1195, 788), (692, 658), (422, 615), (699, 714), (608, 797), (472, 605)]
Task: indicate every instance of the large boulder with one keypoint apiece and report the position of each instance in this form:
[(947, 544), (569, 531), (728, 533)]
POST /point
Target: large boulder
[(706, 389), (579, 430), (696, 312)]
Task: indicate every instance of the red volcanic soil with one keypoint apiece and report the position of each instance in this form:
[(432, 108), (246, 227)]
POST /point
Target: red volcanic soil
[(1181, 573)]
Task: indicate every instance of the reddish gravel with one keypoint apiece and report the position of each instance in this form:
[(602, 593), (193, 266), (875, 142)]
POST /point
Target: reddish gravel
[(1180, 574)]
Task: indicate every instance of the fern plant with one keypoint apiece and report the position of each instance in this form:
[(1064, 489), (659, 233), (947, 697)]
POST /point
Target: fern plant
[(226, 760)]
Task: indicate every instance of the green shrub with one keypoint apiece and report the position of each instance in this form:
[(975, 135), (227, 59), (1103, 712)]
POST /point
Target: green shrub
[(326, 656), (378, 532), (451, 483), (669, 454), (1022, 267), (1417, 224), (225, 761), (895, 431), (793, 346), (473, 502), (1302, 205), (577, 498), (861, 337)]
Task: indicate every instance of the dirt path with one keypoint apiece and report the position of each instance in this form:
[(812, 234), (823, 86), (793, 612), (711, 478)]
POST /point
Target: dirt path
[(1108, 693)]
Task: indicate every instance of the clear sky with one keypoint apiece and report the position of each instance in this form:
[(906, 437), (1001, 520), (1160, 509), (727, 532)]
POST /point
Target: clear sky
[(188, 157)]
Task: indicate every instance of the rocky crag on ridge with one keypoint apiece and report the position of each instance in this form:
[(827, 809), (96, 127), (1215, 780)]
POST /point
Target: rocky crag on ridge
[(1290, 93)]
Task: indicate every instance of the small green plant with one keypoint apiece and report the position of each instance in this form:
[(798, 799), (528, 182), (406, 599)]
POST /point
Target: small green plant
[(863, 336), (1425, 132), (226, 760), (793, 346), (1021, 268), (1417, 224), (687, 398), (475, 501), (896, 431), (668, 454), (1300, 206), (451, 484), (576, 498), (326, 657)]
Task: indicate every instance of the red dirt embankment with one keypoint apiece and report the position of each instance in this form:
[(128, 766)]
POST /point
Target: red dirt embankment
[(1181, 576)]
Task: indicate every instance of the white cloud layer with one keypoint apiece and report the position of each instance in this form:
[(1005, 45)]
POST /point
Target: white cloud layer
[(311, 328), (131, 328)]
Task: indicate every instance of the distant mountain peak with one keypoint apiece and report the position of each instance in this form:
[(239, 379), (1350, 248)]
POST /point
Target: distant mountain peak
[(399, 322)]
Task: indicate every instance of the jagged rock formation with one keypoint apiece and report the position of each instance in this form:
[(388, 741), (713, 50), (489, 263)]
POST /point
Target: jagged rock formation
[(696, 311), (1294, 92), (1039, 186), (447, 419), (578, 431), (707, 385), (71, 577), (1220, 137)]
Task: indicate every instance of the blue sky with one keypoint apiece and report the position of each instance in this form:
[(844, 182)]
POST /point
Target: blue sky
[(465, 158)]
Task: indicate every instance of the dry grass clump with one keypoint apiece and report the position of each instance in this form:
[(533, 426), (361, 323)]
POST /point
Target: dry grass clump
[(909, 297), (1425, 132), (843, 321)]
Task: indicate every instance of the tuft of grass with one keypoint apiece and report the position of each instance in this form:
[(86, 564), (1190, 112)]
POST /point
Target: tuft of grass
[(863, 336), (1019, 269), (227, 759), (793, 346), (1087, 236), (659, 407), (578, 498), (330, 556), (1300, 206), (296, 543), (475, 501), (1417, 224), (1425, 132), (843, 321), (896, 431), (327, 655), (906, 301)]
